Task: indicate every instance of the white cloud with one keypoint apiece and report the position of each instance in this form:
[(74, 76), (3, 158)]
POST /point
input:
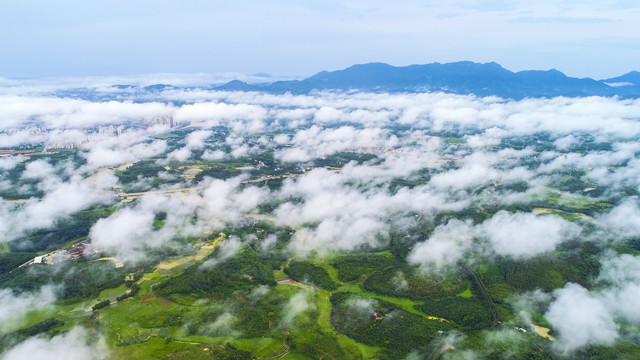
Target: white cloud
[(126, 232), (565, 143), (624, 219), (298, 304), (15, 307), (130, 231), (444, 247), (76, 344), (621, 275), (317, 142), (223, 325), (242, 117), (580, 318), (181, 154), (490, 137), (526, 234), (39, 169), (194, 141), (101, 155), (227, 249), (9, 162), (361, 308), (61, 199), (59, 113), (213, 155)]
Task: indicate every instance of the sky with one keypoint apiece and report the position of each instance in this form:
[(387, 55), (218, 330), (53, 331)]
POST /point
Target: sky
[(42, 38)]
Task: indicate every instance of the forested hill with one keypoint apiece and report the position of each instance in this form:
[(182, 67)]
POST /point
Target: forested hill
[(463, 77)]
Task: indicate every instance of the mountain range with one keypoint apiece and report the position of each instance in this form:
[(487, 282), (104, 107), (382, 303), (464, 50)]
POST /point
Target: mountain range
[(465, 77)]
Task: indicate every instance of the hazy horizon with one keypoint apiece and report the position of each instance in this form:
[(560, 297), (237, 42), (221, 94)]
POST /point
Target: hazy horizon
[(284, 38)]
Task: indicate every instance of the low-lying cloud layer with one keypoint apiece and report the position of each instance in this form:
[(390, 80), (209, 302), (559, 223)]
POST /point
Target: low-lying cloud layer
[(76, 344), (16, 306), (323, 124), (439, 165)]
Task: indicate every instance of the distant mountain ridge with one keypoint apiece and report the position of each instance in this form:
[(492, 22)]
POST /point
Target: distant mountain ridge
[(465, 77)]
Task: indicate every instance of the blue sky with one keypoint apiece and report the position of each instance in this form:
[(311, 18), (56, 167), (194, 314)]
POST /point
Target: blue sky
[(43, 38)]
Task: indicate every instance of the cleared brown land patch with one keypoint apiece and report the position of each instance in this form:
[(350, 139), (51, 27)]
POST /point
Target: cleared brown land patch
[(165, 302), (148, 297)]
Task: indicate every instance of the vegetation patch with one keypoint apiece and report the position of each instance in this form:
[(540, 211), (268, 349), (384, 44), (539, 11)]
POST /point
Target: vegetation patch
[(306, 272)]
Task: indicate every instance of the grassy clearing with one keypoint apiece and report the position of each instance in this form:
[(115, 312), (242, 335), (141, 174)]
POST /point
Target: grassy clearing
[(467, 293), (295, 356), (201, 339), (147, 315), (259, 347), (324, 311), (404, 303), (288, 290), (32, 317), (350, 346), (73, 242), (256, 346), (333, 272), (167, 136), (279, 274), (179, 264), (154, 348), (112, 293), (571, 200), (569, 216), (454, 140)]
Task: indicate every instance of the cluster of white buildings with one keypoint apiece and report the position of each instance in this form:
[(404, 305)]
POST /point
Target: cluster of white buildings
[(111, 130), (166, 120)]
